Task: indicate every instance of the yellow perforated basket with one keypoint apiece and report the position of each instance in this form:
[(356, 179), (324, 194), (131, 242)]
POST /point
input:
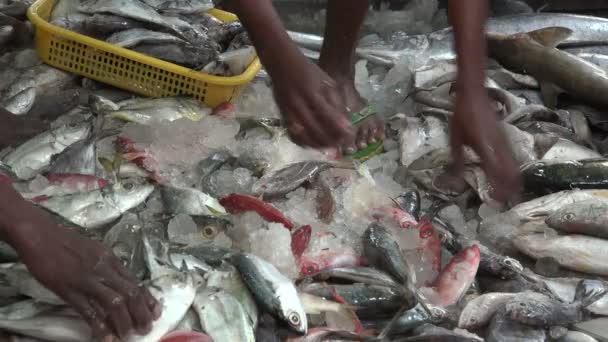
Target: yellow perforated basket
[(128, 69)]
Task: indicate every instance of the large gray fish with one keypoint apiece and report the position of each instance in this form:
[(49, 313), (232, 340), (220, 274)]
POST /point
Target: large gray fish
[(546, 205), (503, 329), (537, 309), (222, 317), (509, 7), (586, 217), (558, 71), (478, 312), (289, 178), (34, 155), (576, 252), (272, 290), (438, 45), (100, 207), (542, 177), (136, 36)]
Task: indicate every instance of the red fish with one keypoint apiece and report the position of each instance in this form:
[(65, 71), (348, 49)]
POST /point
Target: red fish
[(143, 159), (186, 336), (395, 215), (6, 179), (458, 276), (236, 204), (300, 239), (346, 257), (225, 110), (430, 251)]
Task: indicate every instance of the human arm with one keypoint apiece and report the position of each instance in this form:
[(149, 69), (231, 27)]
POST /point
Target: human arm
[(80, 271), (475, 122), (306, 96)]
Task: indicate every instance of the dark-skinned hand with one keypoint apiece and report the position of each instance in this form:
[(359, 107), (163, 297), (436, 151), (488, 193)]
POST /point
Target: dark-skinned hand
[(87, 276), (311, 106), (475, 124)]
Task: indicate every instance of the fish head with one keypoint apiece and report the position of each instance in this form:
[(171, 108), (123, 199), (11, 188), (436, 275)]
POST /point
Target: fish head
[(292, 311), (467, 260), (308, 267), (561, 218)]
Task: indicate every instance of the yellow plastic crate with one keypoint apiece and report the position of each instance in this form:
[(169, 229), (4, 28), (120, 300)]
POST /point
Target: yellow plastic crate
[(128, 69)]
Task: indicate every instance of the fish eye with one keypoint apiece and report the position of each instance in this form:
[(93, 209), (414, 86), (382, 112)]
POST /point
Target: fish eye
[(209, 232), (128, 186), (294, 319), (569, 216)]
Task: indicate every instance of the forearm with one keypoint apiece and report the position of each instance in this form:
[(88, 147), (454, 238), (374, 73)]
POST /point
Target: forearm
[(267, 33), (468, 18), (15, 214)]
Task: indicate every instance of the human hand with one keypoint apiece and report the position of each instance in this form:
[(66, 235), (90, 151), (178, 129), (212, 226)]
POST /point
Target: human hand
[(313, 109), (16, 129), (475, 124), (87, 276)]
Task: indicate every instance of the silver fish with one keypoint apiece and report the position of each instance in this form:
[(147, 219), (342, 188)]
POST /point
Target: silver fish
[(136, 36), (134, 10), (33, 156), (125, 240), (181, 6), (546, 205), (272, 290), (190, 322), (19, 278), (575, 252), (190, 201), (222, 316), (50, 327), (480, 310), (289, 178), (176, 293), (146, 111), (23, 309), (101, 25), (366, 275), (227, 278), (97, 208)]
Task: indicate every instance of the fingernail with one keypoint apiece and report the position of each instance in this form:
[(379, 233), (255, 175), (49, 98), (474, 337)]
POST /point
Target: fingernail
[(350, 150), (372, 140), (362, 145), (145, 329), (157, 310)]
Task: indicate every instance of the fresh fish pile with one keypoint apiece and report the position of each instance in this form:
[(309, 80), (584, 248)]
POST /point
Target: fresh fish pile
[(245, 236)]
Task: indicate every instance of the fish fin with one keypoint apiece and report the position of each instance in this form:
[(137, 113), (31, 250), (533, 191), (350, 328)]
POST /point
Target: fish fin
[(549, 93), (550, 36)]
